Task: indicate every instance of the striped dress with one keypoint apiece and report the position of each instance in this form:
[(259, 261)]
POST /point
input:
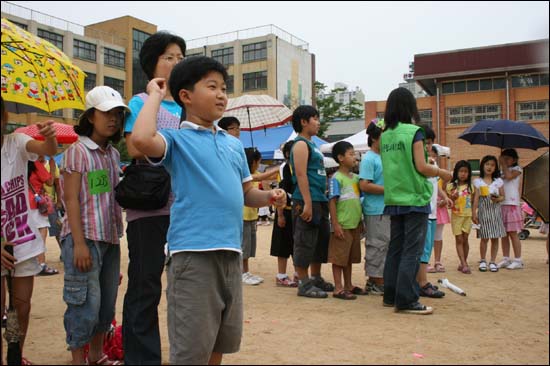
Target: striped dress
[(489, 214)]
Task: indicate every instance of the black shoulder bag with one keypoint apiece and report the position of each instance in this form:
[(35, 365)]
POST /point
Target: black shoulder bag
[(143, 187)]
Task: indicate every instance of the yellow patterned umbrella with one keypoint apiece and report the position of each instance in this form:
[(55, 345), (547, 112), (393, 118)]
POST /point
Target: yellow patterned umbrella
[(36, 73)]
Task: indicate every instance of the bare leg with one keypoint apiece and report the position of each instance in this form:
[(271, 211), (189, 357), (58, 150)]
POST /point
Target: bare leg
[(215, 358), (438, 248), (281, 264), (43, 234), (22, 288), (377, 280), (96, 347), (516, 243), (483, 249), (494, 250), (347, 277), (78, 356), (466, 245), (315, 269), (2, 308), (337, 274), (245, 265), (422, 275), (460, 250), (506, 246), (302, 273)]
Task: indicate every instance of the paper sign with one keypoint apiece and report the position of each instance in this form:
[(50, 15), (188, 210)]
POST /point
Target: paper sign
[(98, 182)]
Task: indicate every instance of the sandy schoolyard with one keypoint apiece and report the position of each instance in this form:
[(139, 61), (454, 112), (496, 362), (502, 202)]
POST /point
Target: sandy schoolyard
[(502, 320)]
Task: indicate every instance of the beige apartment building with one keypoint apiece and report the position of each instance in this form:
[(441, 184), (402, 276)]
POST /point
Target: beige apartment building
[(262, 60)]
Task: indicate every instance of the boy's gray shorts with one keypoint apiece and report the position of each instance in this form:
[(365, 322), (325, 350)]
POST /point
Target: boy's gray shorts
[(205, 305), (376, 244), (249, 239)]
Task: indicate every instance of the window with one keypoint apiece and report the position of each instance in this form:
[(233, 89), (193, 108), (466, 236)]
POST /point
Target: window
[(225, 56), (499, 83), (472, 85), (116, 84), (89, 82), (139, 78), (77, 113), (57, 113), (255, 52), (474, 163), (84, 50), (255, 81), (230, 84), (114, 58), (20, 25), (470, 114), (462, 86), (529, 81), (532, 111), (53, 38), (425, 117)]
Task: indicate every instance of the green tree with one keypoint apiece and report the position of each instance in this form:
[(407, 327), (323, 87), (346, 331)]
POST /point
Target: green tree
[(353, 110), (327, 106)]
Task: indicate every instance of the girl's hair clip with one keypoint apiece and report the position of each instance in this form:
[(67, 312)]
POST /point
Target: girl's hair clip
[(378, 123)]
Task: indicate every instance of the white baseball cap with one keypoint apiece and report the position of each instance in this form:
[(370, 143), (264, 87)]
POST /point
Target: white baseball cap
[(104, 99)]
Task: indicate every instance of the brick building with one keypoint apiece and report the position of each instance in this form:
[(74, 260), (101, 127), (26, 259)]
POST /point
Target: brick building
[(508, 81)]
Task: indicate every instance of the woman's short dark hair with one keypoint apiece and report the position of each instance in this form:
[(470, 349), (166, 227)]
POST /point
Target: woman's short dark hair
[(225, 122), (252, 155), (374, 132), (302, 112), (190, 71), (287, 148), (154, 47), (86, 128), (400, 107), (512, 153)]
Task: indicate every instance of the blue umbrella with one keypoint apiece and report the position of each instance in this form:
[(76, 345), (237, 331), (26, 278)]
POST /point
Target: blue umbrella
[(504, 134)]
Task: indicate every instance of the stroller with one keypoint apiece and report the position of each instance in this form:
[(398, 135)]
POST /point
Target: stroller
[(530, 220)]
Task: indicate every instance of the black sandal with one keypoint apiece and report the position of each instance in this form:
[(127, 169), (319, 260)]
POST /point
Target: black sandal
[(47, 271)]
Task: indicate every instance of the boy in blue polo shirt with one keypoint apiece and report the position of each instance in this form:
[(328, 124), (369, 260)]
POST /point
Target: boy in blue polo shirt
[(210, 178)]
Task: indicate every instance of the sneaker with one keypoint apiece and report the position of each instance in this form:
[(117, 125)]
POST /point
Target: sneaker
[(257, 278), (505, 262), (515, 265), (482, 265), (322, 284), (285, 282), (249, 280), (493, 267), (374, 289), (416, 308)]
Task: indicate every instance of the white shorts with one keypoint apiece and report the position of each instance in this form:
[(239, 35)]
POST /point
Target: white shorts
[(29, 267), (40, 220)]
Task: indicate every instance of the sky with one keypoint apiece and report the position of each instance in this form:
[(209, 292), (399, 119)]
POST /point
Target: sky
[(364, 44)]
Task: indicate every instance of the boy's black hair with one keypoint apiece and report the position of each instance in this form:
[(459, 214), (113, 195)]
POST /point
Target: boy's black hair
[(511, 153), (374, 132), (487, 158), (190, 71), (340, 148), (225, 122), (400, 107), (462, 164), (300, 113), (429, 133), (434, 149), (287, 148), (86, 128), (252, 155), (154, 47)]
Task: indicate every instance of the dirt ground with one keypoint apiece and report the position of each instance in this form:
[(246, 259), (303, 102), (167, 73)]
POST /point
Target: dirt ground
[(502, 320)]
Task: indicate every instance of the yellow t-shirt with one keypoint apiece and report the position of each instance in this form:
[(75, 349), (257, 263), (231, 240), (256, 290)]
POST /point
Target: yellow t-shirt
[(463, 204), (251, 213), (50, 190)]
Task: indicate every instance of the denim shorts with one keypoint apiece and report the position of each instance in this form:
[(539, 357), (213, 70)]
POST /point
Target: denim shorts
[(90, 296)]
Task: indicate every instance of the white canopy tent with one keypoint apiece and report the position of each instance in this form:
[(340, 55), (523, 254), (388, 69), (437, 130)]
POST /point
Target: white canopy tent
[(328, 161), (359, 142)]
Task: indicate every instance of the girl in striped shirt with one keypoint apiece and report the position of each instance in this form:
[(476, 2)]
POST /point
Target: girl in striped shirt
[(93, 225)]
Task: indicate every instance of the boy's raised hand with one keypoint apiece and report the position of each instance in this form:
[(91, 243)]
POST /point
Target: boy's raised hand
[(157, 85), (277, 197)]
